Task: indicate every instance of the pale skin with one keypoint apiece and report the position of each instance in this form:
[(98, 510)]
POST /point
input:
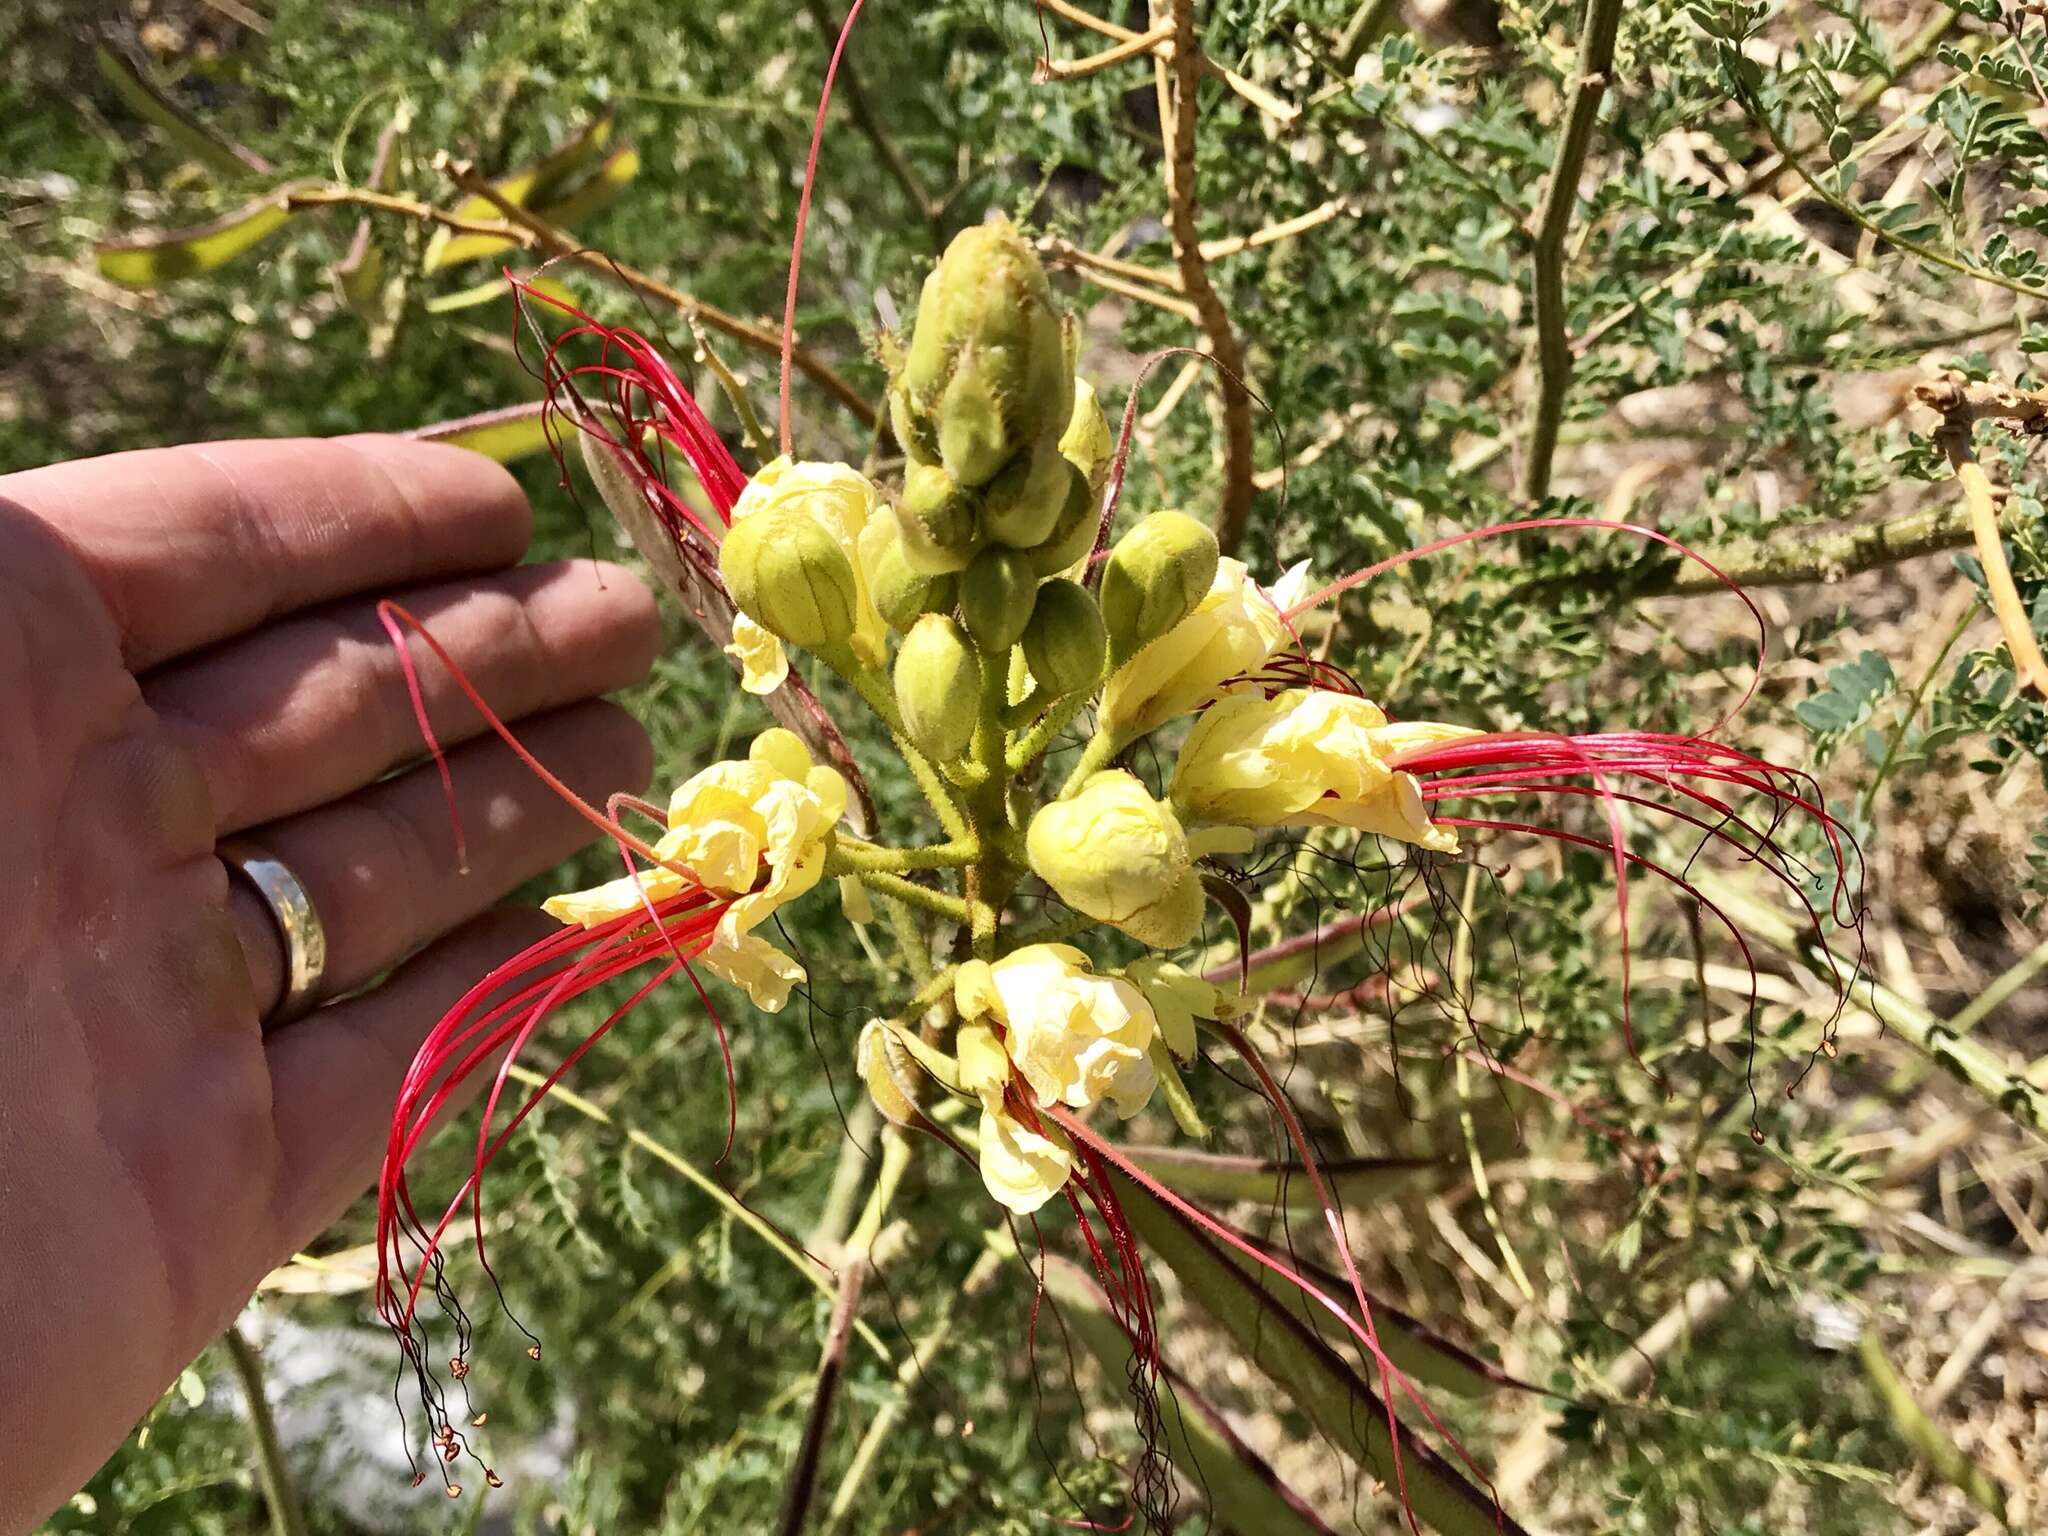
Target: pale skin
[(189, 651)]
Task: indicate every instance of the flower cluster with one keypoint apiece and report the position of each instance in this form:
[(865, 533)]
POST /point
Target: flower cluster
[(981, 611)]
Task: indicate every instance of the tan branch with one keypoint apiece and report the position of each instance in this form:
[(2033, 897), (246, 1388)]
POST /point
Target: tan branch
[(1136, 46), (557, 242), (1282, 112), (1178, 120), (1286, 229)]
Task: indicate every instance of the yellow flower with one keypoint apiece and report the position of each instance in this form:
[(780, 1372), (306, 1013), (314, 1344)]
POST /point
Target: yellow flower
[(1076, 1038), (727, 826), (763, 662), (1178, 997), (1021, 1168), (840, 498), (1308, 758), (1234, 628), (1116, 854)]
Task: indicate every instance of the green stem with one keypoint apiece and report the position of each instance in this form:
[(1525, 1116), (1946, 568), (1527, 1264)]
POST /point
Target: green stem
[(873, 690), (910, 893), (1028, 746), (1911, 713), (1102, 746), (1560, 197), (850, 856), (988, 805), (287, 1515)]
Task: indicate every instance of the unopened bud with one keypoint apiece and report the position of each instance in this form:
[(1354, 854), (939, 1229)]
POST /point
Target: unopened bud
[(890, 1078), (1155, 576), (790, 576), (1073, 533), (1022, 505), (936, 519), (1116, 854), (938, 687), (996, 594), (987, 365), (902, 593), (1065, 644), (1086, 441)]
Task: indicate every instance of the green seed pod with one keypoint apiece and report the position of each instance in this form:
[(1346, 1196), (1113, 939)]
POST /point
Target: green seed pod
[(901, 593), (1155, 575), (1073, 533), (1065, 645), (789, 575), (1023, 503), (938, 687), (937, 522), (996, 596)]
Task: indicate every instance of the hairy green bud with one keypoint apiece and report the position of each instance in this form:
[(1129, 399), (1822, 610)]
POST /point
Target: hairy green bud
[(790, 576), (996, 594), (936, 519), (1087, 442), (1023, 503), (1154, 577), (1073, 532), (938, 687), (1065, 645), (900, 591), (987, 372)]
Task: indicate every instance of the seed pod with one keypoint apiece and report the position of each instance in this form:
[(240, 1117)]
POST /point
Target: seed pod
[(1065, 644), (1155, 575), (789, 575), (938, 687), (1073, 533), (937, 522), (1023, 503), (902, 593), (996, 595)]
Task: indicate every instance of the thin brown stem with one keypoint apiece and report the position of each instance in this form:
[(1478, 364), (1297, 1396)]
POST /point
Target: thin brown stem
[(558, 243), (280, 1493), (1178, 116)]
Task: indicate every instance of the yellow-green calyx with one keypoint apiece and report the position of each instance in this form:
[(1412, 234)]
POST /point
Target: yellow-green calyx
[(938, 687), (1155, 576), (790, 576), (902, 593), (1064, 644), (1116, 854)]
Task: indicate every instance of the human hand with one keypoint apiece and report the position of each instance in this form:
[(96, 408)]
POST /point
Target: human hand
[(189, 650)]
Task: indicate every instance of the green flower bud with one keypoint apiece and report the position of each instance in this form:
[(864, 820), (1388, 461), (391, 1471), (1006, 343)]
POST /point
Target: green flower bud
[(986, 372), (996, 595), (938, 687), (789, 575), (1023, 503), (1065, 644), (1073, 533), (900, 591), (916, 433), (937, 522), (1154, 577), (1087, 441), (973, 441)]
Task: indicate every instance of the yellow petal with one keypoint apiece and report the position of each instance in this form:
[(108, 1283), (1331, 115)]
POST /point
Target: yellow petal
[(1021, 1168), (764, 665), (615, 898)]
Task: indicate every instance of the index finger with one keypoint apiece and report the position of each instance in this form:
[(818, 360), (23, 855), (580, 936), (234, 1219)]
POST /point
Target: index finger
[(194, 544)]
